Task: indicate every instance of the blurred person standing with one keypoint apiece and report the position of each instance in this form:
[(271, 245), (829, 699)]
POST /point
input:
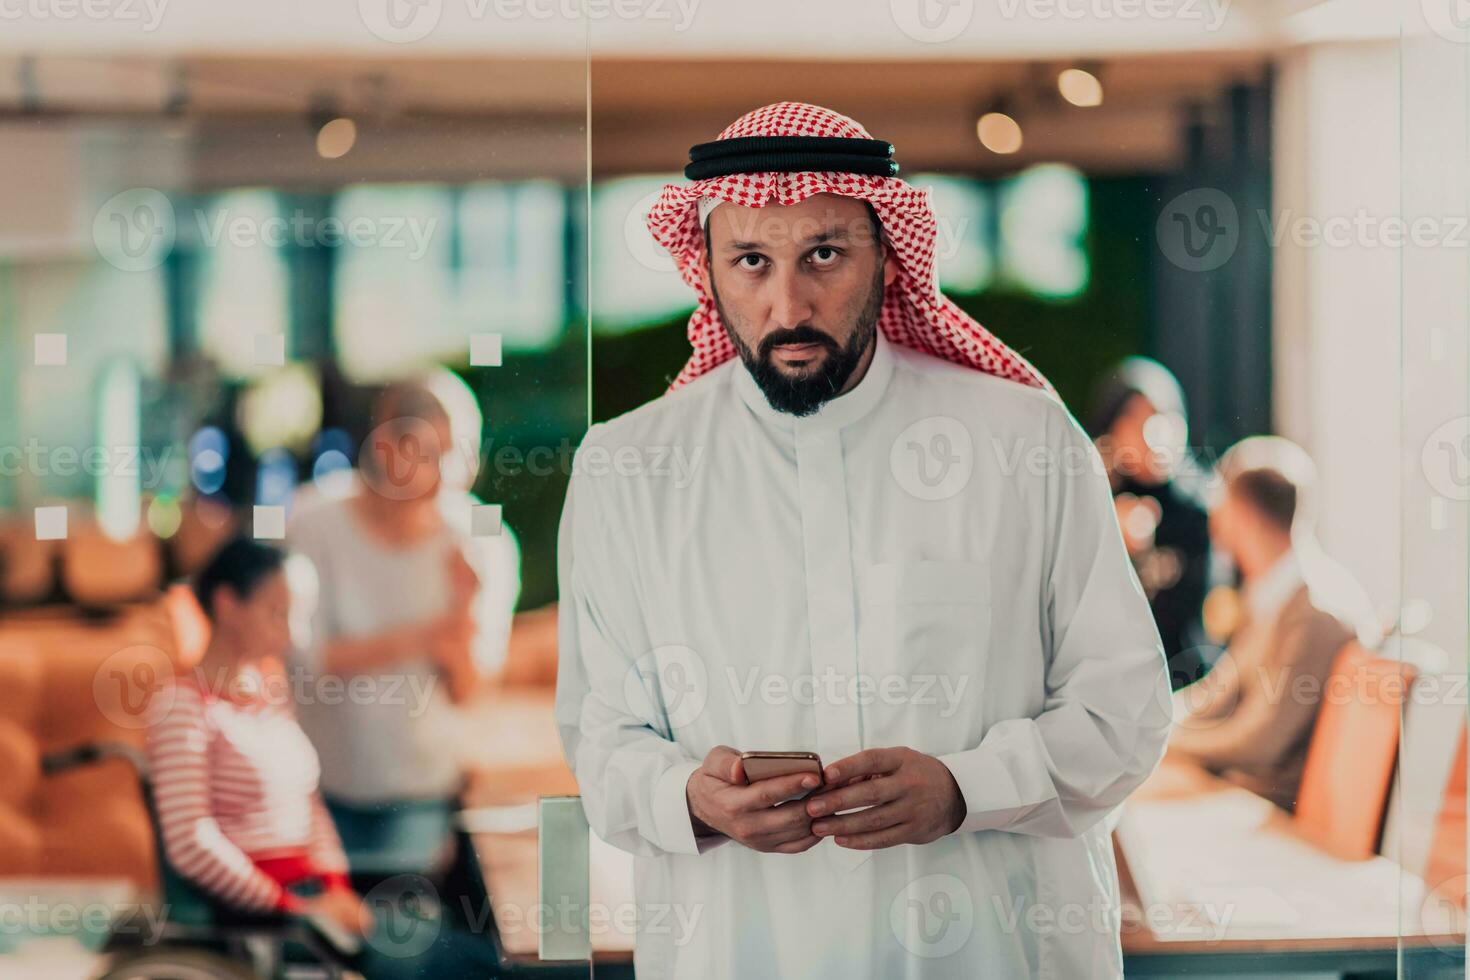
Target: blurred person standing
[(1138, 423), (415, 604), (1251, 717)]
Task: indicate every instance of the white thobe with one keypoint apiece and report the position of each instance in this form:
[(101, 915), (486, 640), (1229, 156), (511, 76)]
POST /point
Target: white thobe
[(930, 560)]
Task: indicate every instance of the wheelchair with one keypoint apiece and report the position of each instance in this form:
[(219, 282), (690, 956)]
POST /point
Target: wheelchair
[(201, 938)]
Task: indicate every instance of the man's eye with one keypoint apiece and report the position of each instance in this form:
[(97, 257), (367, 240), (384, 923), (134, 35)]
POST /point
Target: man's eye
[(824, 255), (751, 261)]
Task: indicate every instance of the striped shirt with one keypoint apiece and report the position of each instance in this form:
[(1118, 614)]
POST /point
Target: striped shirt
[(235, 784)]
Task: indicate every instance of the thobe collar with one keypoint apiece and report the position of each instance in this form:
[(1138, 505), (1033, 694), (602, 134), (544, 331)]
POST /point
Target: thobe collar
[(843, 410)]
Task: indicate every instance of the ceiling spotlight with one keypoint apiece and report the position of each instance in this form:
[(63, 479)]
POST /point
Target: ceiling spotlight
[(999, 133), (336, 138), (1079, 87)]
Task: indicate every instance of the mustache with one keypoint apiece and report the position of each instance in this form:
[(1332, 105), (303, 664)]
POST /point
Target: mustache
[(796, 335)]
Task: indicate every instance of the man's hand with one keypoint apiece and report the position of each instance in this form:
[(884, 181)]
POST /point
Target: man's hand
[(464, 581), (911, 798), (721, 800), (451, 647), (451, 640)]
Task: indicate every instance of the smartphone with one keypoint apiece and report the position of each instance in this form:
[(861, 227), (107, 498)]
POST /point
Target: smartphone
[(768, 765)]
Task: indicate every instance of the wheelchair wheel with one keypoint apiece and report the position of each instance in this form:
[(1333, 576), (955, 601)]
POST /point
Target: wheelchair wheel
[(176, 964)]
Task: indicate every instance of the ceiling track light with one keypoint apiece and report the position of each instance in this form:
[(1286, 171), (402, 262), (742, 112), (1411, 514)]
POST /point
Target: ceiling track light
[(29, 83), (1081, 84), (176, 101), (336, 134), (998, 129)]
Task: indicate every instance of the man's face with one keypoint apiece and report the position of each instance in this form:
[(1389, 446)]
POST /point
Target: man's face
[(1231, 521), (799, 289), (1145, 443), (406, 458)]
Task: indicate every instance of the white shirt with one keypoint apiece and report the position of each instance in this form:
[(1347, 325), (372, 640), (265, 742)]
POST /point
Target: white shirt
[(931, 560), (392, 734)]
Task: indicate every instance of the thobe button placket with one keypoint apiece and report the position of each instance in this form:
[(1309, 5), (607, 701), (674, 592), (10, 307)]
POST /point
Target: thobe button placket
[(831, 605)]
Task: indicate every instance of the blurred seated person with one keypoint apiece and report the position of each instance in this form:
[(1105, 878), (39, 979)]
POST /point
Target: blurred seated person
[(234, 777), (235, 783), (1251, 717), (1138, 423), (413, 613)]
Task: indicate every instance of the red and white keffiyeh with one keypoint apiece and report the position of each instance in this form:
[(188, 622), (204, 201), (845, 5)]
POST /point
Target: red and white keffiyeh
[(914, 313)]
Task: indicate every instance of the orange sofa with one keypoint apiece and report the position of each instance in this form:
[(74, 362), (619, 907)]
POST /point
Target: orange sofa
[(69, 679)]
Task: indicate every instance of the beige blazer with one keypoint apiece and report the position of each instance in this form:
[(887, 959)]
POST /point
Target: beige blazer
[(1250, 719)]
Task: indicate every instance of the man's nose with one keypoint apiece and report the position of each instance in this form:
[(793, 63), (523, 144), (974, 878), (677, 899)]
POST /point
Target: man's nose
[(790, 298)]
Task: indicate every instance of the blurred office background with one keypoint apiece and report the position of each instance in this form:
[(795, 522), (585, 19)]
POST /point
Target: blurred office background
[(222, 228)]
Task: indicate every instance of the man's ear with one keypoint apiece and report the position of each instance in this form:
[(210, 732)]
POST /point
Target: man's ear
[(704, 272), (890, 265)]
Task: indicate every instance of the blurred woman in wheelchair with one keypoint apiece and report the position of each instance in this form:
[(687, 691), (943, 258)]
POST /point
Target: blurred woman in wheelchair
[(234, 777)]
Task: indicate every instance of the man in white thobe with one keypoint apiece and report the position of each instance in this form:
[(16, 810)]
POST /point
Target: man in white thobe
[(841, 544)]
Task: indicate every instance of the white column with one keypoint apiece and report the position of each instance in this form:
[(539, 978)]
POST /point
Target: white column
[(1335, 179)]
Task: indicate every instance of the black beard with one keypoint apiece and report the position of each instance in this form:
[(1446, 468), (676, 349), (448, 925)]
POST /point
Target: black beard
[(803, 395)]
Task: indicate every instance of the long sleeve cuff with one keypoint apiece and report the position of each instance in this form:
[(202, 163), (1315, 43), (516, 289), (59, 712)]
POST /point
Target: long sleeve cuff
[(671, 819), (992, 800)]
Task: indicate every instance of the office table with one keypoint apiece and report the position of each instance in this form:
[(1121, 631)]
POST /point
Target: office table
[(1212, 878), (522, 763)]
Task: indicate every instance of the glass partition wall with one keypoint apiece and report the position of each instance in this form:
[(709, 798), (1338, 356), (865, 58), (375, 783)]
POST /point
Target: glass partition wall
[(221, 243), (1426, 828)]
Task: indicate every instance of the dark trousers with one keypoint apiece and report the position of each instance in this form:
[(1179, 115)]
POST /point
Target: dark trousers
[(402, 856)]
